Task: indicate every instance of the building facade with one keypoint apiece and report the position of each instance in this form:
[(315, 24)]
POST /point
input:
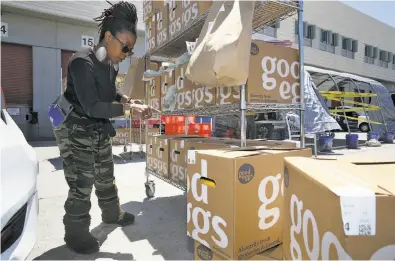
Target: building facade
[(37, 40), (340, 38)]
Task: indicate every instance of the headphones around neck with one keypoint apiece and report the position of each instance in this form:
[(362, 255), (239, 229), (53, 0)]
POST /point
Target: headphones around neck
[(101, 55)]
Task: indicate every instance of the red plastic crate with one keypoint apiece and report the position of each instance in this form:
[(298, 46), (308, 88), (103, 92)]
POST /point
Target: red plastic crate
[(205, 130)]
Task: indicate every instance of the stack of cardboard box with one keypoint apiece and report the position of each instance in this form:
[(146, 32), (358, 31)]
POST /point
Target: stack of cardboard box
[(167, 154), (236, 211), (164, 19), (282, 204), (274, 78)]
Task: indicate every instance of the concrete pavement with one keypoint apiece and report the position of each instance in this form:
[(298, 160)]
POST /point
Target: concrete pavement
[(158, 234), (160, 229)]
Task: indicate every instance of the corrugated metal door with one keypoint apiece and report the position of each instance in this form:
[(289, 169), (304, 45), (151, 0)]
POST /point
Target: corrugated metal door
[(66, 55), (17, 73)]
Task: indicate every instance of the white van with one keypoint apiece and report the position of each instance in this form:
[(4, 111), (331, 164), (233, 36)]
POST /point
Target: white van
[(19, 198)]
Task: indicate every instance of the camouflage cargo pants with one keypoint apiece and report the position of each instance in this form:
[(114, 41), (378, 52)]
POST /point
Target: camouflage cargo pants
[(87, 161)]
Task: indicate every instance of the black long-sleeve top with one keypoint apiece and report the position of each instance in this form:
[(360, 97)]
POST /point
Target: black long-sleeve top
[(91, 86)]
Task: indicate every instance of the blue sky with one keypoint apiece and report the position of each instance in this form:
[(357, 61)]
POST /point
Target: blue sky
[(381, 10)]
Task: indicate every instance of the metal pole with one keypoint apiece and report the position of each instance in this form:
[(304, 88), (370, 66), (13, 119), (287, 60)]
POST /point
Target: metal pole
[(130, 136), (301, 73), (362, 101), (147, 64), (342, 103), (381, 112), (243, 107)]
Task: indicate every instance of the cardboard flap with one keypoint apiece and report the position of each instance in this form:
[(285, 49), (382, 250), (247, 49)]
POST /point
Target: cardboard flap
[(378, 178), (233, 153), (261, 148)]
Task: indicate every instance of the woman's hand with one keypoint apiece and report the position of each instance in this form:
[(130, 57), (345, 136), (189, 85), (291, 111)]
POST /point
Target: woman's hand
[(125, 99), (141, 110)]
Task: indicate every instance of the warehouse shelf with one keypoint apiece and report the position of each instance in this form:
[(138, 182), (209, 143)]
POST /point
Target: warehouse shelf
[(231, 109), (266, 13)]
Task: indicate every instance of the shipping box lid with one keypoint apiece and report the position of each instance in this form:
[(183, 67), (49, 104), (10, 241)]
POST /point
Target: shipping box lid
[(374, 175), (241, 152)]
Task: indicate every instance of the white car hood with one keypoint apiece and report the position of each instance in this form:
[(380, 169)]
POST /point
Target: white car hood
[(19, 169)]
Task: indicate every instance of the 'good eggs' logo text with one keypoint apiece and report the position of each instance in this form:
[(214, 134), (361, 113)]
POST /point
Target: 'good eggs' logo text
[(246, 173), (204, 252)]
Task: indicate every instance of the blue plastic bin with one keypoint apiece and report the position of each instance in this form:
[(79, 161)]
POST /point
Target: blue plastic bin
[(325, 143), (389, 137), (352, 141)]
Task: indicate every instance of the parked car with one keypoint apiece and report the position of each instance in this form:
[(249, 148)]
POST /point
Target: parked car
[(359, 124), (19, 199)]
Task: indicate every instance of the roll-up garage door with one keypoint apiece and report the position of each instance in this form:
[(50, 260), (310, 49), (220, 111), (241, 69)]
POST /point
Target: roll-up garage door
[(66, 55), (17, 73)]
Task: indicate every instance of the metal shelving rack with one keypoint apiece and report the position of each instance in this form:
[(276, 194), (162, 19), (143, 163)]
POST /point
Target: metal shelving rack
[(266, 13)]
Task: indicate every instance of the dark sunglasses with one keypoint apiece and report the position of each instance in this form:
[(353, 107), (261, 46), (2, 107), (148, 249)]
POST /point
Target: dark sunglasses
[(125, 49)]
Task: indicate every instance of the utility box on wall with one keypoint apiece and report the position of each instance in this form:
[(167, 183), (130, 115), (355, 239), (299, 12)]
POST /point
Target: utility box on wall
[(25, 119)]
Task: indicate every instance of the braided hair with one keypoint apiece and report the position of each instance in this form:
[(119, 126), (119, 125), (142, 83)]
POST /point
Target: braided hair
[(120, 17)]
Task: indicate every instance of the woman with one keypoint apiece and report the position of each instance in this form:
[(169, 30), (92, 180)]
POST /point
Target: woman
[(84, 138)]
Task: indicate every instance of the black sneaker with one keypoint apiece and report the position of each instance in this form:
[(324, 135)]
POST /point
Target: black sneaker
[(123, 220)]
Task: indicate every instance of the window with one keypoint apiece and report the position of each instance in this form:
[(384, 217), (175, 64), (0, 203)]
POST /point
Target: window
[(309, 30), (271, 30), (335, 39), (328, 41), (384, 58), (346, 44), (349, 47), (369, 51), (328, 37)]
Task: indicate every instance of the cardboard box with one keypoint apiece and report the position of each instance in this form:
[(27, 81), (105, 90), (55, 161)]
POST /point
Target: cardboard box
[(269, 143), (162, 146), (204, 253), (154, 98), (136, 135), (151, 29), (203, 97), (153, 88), (241, 215), (121, 137), (185, 89), (351, 215), (162, 23), (148, 9), (153, 161), (167, 81), (274, 74), (175, 17), (133, 85), (179, 151), (227, 95), (192, 10)]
